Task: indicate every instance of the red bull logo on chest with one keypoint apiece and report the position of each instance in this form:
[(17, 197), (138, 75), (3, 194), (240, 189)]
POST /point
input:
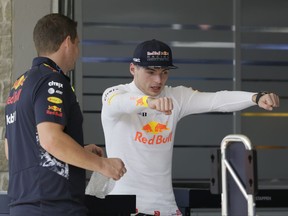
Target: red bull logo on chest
[(155, 128)]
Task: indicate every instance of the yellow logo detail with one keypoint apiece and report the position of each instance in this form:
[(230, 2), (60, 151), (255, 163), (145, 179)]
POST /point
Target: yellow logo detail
[(54, 100)]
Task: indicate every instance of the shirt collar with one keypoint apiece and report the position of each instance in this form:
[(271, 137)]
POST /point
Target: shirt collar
[(44, 60), (48, 63)]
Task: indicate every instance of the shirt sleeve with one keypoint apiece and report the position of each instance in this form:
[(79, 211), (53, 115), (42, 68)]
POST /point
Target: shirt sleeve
[(51, 101), (119, 100), (194, 102)]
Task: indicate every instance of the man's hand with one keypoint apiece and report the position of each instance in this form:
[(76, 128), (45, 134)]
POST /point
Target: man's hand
[(113, 168), (95, 149), (163, 104), (268, 101)]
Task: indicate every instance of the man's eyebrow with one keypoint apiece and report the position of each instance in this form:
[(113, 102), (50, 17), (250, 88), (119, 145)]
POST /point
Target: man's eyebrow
[(160, 68)]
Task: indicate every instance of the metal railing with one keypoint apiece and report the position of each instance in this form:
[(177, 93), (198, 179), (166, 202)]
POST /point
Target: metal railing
[(225, 165)]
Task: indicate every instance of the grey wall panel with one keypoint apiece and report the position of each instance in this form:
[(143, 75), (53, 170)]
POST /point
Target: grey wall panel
[(265, 37), (191, 163), (264, 72), (109, 69), (107, 50), (93, 131), (126, 33), (204, 129), (278, 87), (99, 85), (264, 13), (265, 130), (160, 11), (92, 103), (265, 55), (271, 164)]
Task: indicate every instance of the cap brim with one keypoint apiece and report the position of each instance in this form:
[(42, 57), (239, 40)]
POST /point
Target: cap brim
[(156, 66)]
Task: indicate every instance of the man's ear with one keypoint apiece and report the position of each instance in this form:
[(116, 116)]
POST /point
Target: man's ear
[(65, 42), (132, 69), (68, 40)]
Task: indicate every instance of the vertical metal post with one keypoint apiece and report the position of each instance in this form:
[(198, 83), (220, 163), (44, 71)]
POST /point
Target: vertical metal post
[(78, 72), (237, 60), (225, 166)]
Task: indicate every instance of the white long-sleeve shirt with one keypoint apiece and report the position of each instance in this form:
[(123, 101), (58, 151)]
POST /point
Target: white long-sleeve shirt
[(143, 138)]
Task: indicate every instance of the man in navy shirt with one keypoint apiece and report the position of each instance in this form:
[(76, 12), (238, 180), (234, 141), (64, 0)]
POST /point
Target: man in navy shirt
[(44, 136)]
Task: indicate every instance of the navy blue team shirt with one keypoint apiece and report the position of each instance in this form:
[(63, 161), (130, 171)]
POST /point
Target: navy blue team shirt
[(42, 94)]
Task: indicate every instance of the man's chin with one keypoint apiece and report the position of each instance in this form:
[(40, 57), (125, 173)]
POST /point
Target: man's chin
[(154, 94)]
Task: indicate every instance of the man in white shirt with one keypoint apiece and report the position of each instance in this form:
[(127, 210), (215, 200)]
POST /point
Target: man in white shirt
[(140, 119)]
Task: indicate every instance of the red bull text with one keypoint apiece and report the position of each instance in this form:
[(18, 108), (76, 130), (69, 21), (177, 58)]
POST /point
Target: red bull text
[(154, 128)]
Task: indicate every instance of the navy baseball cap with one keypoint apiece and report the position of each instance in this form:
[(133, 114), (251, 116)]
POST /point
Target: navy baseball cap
[(153, 53)]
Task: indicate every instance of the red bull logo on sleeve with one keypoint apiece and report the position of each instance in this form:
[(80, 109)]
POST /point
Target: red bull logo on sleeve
[(142, 101), (153, 128), (54, 108), (19, 82)]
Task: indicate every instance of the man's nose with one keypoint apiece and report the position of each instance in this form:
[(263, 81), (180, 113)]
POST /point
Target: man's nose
[(158, 78)]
